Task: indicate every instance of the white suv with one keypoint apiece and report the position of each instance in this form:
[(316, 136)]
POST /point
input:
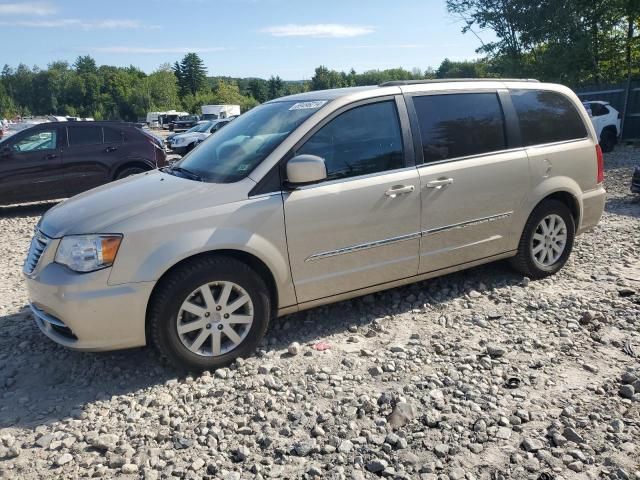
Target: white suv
[(312, 199), (606, 121)]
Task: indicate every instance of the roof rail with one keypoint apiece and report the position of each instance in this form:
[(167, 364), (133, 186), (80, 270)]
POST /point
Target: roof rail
[(397, 83)]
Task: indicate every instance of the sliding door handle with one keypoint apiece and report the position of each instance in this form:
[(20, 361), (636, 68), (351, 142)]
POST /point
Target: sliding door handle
[(396, 190), (441, 182)]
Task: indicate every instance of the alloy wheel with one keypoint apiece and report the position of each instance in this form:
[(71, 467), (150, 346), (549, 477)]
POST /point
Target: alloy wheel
[(215, 318), (549, 240)]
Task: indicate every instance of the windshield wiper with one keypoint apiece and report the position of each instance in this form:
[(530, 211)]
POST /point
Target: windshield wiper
[(186, 172)]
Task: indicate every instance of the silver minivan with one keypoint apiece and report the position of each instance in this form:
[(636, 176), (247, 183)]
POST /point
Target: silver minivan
[(312, 199)]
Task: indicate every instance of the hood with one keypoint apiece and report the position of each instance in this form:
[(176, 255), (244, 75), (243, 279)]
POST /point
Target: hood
[(186, 135), (98, 209)]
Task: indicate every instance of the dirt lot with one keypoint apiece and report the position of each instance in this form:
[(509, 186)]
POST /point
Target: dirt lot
[(415, 383)]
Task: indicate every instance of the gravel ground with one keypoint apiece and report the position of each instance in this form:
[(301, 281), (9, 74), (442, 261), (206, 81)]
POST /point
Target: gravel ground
[(480, 374)]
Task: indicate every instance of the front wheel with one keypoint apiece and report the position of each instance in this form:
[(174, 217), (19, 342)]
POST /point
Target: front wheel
[(208, 312), (547, 240)]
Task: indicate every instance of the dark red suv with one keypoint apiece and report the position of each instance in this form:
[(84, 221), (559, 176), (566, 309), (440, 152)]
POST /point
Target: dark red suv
[(62, 159)]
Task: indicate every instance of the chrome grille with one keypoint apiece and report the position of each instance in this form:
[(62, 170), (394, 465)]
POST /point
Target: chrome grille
[(39, 243)]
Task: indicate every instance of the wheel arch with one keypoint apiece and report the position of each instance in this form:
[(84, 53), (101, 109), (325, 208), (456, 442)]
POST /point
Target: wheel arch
[(131, 164), (562, 189), (259, 266)]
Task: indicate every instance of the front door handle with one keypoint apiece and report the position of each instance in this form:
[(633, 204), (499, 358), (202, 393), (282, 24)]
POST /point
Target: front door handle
[(50, 156), (110, 149), (396, 190), (441, 182)]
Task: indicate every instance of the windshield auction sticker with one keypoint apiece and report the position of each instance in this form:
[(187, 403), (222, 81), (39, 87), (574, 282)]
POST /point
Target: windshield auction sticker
[(307, 105)]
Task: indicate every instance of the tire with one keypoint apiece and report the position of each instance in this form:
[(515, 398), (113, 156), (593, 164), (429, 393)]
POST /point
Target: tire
[(532, 264), (128, 171), (194, 349), (607, 140)]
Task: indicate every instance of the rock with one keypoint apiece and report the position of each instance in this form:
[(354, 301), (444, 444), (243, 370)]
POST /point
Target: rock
[(129, 468), (304, 448), (503, 433), (576, 466), (441, 450), (45, 440), (496, 351), (531, 444), (294, 348), (457, 473), (573, 436), (106, 441), (627, 391), (402, 414), (64, 459), (376, 465), (345, 446)]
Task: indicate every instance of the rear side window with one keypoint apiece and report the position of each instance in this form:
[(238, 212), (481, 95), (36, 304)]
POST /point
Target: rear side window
[(598, 110), (84, 136), (361, 141), (112, 135), (547, 117), (459, 125)]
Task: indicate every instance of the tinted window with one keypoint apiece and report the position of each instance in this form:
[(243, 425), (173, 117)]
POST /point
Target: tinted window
[(546, 117), (111, 135), (42, 140), (598, 110), (84, 136), (459, 125), (362, 140)]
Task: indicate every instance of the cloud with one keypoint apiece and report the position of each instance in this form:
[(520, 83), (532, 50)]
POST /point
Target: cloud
[(27, 8), (319, 30), (153, 51), (80, 24)]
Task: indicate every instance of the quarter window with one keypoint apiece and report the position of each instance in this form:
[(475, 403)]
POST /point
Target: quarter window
[(547, 117), (363, 140), (459, 125), (84, 136), (111, 135)]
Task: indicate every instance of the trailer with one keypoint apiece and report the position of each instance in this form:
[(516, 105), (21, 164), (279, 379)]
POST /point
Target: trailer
[(218, 112)]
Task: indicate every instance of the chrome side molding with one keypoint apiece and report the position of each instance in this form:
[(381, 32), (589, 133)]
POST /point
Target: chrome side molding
[(403, 238)]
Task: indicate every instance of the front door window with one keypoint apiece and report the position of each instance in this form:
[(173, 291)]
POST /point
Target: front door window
[(42, 140)]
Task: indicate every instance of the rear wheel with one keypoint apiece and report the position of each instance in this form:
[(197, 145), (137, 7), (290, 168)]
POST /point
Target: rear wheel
[(128, 171), (209, 312), (547, 240), (607, 140)]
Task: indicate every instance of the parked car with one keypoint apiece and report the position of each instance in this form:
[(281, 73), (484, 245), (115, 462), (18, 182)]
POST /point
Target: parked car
[(635, 180), (60, 159), (606, 121), (312, 199), (182, 124), (185, 142)]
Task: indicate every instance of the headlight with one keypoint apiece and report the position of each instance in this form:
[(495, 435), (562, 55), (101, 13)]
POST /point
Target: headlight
[(86, 253)]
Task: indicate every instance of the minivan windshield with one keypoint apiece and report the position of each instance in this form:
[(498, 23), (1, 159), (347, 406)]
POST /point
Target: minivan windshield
[(234, 151)]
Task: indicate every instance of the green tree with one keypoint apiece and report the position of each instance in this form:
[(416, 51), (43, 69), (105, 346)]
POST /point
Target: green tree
[(275, 87), (258, 89), (191, 74)]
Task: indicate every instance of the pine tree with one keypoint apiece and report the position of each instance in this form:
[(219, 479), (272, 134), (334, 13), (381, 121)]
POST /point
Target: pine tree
[(191, 74)]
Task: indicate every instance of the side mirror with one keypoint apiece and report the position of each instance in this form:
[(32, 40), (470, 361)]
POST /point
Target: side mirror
[(306, 169), (6, 151)]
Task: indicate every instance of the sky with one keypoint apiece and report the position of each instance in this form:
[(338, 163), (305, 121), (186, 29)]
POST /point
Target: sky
[(239, 38)]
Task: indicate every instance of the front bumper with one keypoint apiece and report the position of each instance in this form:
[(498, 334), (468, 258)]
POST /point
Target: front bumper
[(83, 312)]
